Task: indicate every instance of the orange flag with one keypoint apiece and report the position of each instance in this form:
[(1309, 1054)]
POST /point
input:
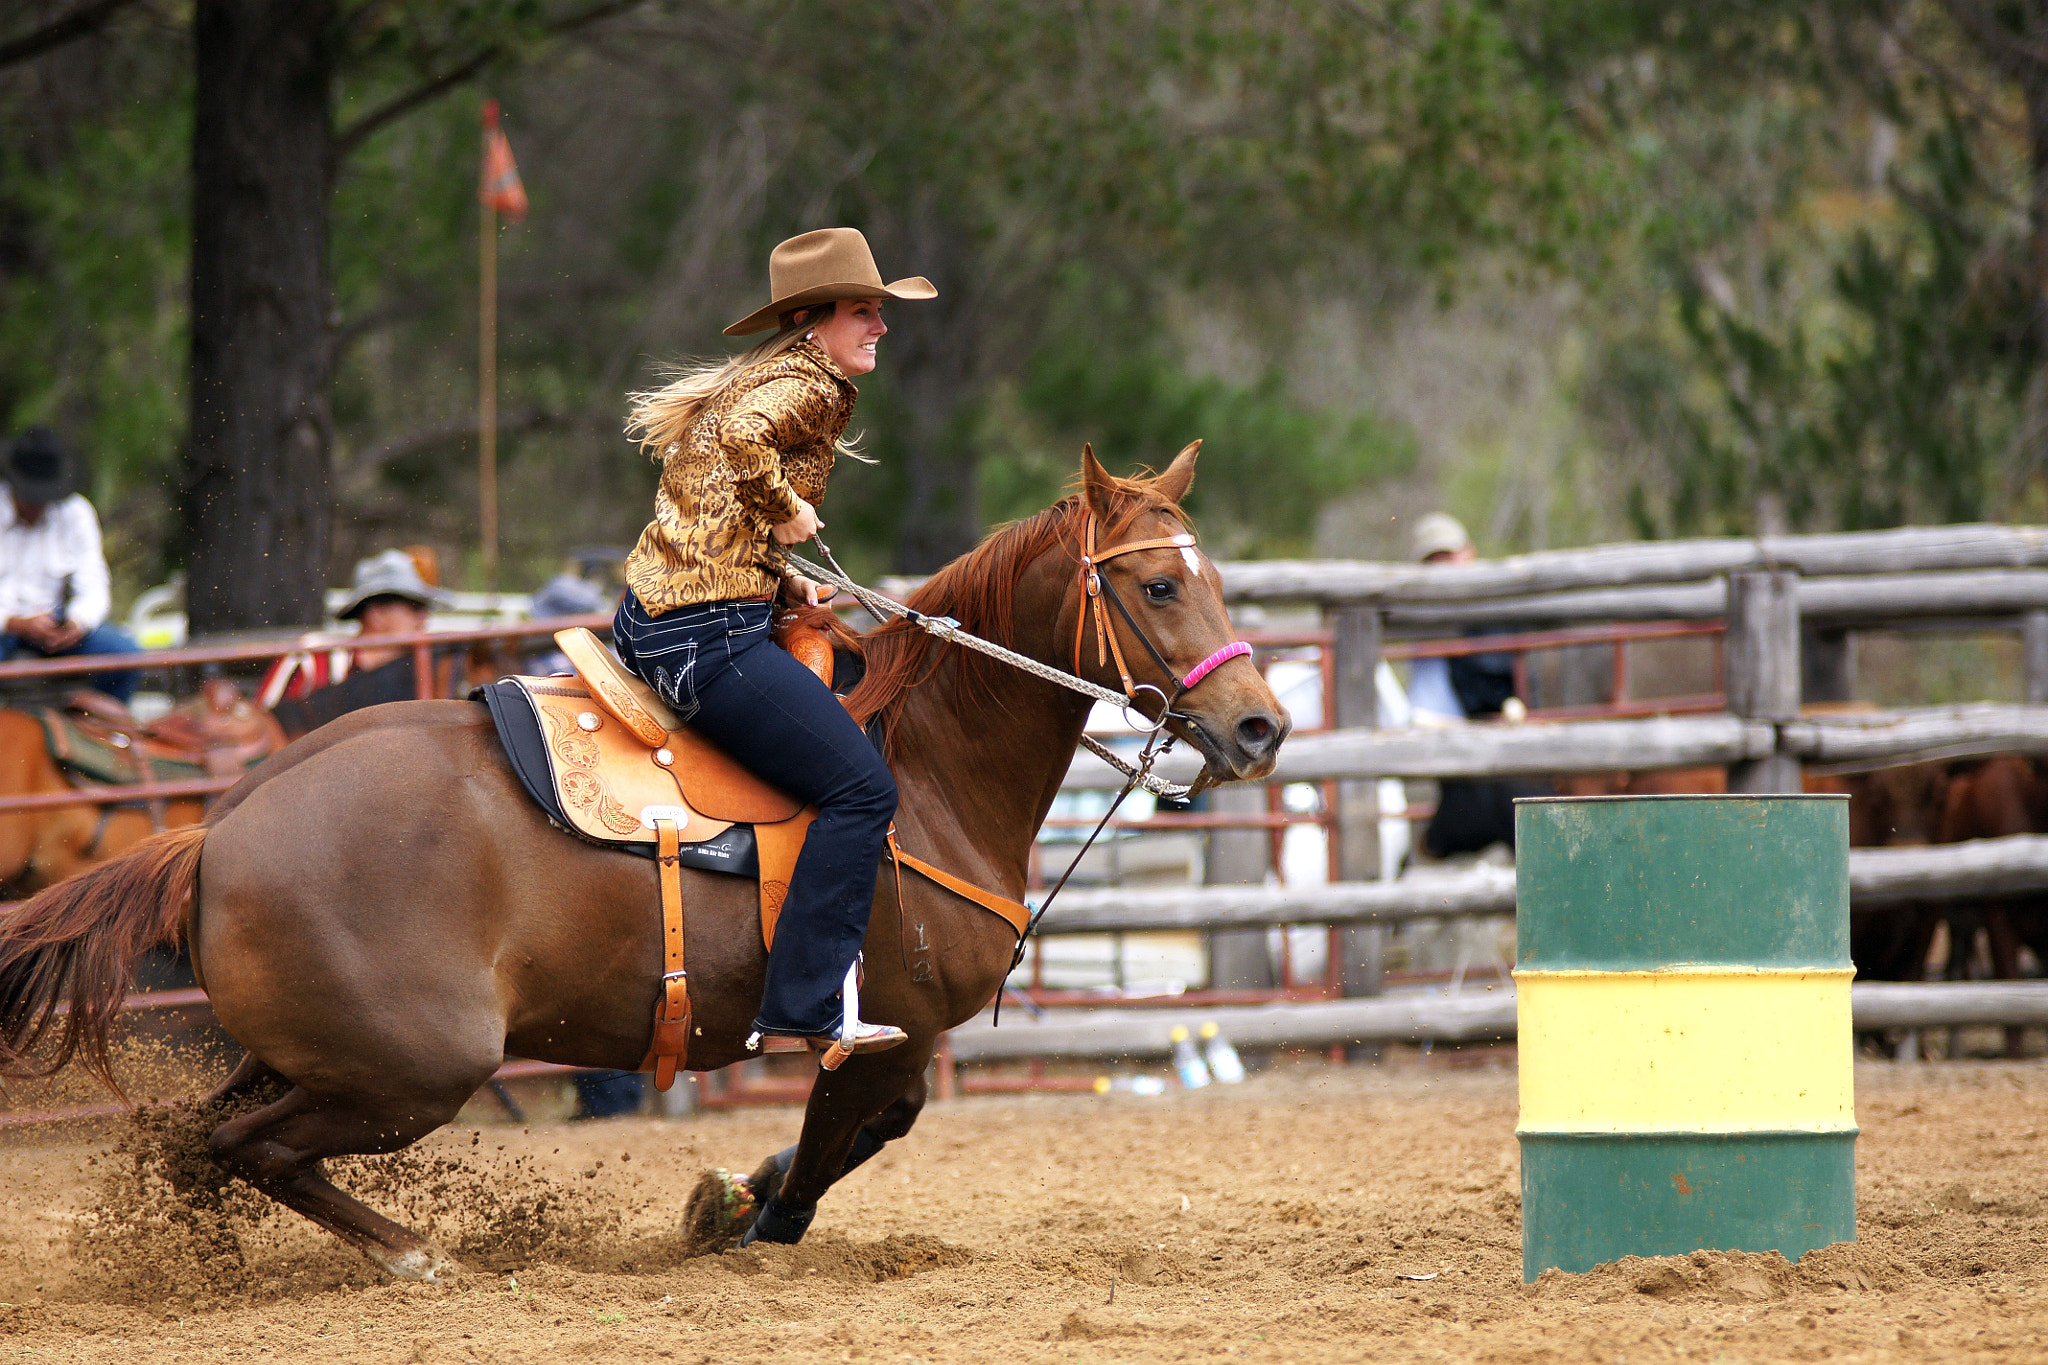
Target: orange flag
[(501, 188)]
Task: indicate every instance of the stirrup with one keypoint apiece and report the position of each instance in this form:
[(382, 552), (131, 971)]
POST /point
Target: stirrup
[(856, 1035), (865, 1037)]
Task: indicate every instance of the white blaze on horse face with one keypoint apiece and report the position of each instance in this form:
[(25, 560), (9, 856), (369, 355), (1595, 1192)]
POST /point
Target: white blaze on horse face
[(1187, 554)]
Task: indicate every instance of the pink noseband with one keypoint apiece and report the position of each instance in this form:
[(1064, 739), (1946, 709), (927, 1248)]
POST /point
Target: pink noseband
[(1237, 649)]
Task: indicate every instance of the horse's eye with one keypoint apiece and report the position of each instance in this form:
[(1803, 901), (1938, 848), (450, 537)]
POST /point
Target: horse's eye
[(1162, 590)]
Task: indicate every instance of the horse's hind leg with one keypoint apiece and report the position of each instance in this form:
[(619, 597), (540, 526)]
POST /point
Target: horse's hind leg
[(279, 1148)]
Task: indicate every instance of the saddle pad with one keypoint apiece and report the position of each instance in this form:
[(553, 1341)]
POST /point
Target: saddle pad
[(728, 848), (108, 760)]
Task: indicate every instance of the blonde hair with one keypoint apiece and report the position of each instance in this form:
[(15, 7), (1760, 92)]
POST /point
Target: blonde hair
[(661, 418)]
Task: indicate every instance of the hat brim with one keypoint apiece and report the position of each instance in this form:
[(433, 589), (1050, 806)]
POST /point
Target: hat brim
[(42, 492), (915, 287), (354, 609)]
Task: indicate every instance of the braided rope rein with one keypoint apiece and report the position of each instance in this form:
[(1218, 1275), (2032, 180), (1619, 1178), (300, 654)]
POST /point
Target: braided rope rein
[(947, 629)]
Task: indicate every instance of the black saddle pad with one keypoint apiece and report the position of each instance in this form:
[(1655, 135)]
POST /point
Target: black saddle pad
[(519, 731)]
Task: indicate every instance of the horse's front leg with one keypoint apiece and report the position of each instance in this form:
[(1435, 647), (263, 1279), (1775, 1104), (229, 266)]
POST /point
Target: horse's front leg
[(852, 1112)]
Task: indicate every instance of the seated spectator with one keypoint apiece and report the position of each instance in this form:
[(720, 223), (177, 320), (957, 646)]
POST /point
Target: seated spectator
[(54, 587), (312, 687)]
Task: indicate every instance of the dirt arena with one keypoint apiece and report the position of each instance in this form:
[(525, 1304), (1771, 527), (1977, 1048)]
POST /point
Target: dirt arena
[(1272, 1221)]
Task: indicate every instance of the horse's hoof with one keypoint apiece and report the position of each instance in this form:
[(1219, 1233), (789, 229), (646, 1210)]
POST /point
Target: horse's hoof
[(428, 1265), (777, 1222), (721, 1209)]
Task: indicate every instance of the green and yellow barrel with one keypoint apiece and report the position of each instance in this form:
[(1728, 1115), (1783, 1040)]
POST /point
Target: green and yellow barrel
[(1682, 996)]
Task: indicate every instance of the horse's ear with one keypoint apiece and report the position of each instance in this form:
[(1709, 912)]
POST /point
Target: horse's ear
[(1097, 488), (1173, 485)]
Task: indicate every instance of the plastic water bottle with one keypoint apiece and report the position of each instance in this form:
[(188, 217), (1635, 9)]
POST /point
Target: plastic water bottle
[(1224, 1063), (1187, 1062)]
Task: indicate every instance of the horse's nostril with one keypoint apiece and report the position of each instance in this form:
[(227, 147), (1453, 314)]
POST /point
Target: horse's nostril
[(1257, 735)]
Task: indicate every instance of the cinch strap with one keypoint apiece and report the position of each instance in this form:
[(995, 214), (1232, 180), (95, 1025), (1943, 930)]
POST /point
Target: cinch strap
[(1235, 650)]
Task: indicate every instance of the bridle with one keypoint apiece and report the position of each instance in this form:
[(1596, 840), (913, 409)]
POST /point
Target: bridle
[(1095, 589)]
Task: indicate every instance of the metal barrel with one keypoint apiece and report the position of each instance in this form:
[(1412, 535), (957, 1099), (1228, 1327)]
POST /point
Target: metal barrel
[(1682, 1000)]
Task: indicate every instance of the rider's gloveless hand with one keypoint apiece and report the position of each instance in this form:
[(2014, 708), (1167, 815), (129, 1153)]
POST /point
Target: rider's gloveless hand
[(800, 527)]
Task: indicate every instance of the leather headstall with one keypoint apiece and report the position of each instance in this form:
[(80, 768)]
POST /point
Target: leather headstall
[(1095, 587)]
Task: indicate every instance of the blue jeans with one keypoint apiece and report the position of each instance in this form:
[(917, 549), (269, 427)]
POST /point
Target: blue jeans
[(717, 666), (101, 639)]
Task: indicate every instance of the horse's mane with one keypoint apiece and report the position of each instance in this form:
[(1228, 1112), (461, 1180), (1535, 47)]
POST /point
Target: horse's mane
[(979, 591)]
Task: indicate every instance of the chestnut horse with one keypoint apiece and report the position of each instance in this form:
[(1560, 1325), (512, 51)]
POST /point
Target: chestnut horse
[(381, 915)]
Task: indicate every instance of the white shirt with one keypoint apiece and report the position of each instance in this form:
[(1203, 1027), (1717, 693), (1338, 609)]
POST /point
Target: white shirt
[(34, 561), (1430, 693)]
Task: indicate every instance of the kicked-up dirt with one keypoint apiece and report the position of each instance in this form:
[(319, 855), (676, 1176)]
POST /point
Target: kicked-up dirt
[(1312, 1214)]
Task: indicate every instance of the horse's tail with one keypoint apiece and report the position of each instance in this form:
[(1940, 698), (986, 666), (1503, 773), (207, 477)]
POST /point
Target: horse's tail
[(67, 956)]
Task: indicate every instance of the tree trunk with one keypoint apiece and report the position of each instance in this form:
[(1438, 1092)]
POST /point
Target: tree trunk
[(255, 509), (942, 512), (2034, 85)]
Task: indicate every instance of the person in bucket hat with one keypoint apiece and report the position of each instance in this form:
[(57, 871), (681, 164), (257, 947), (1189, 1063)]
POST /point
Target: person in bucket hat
[(55, 592), (745, 448), (388, 595)]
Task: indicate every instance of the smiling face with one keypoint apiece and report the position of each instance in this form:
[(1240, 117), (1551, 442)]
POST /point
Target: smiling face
[(850, 334)]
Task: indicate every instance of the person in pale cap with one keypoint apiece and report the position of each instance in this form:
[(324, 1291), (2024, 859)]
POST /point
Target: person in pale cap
[(1471, 813), (55, 592), (1440, 538), (565, 594)]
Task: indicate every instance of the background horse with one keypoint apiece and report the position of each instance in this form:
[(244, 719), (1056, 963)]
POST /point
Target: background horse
[(39, 848), (375, 994)]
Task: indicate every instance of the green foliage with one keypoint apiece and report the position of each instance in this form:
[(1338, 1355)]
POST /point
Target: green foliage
[(1268, 464), (92, 287), (1924, 405), (1889, 388)]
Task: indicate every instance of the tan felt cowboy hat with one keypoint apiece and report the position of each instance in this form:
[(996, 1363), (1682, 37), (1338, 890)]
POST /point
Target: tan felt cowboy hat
[(816, 267)]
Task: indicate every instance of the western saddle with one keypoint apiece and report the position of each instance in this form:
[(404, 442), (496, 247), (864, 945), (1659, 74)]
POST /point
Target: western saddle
[(626, 772), (96, 741)]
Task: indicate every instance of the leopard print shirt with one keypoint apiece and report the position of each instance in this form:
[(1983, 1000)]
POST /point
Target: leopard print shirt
[(756, 448)]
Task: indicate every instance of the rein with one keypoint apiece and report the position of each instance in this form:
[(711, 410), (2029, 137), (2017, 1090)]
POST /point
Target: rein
[(1095, 588)]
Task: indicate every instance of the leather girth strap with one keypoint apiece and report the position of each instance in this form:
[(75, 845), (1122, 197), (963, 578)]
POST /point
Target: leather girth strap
[(670, 1047), (1014, 913)]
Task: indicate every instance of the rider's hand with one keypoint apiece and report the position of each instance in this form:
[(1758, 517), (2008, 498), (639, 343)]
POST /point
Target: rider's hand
[(800, 527), (796, 587), (64, 637)]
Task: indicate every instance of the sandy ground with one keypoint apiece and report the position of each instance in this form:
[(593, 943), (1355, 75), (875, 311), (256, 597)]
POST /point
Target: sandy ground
[(1270, 1222)]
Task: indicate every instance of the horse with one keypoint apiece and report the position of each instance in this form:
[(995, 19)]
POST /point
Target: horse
[(380, 915)]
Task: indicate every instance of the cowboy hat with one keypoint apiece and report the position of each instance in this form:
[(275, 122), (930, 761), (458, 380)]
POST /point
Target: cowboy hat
[(39, 469), (391, 574), (817, 267)]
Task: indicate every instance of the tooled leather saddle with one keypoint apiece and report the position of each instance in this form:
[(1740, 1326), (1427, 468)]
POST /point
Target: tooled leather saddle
[(608, 761)]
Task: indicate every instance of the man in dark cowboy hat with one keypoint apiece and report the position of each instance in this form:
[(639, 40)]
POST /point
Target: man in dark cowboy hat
[(54, 590)]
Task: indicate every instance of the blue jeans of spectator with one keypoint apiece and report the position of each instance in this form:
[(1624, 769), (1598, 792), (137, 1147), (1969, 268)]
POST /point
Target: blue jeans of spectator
[(101, 639), (717, 666), (605, 1094)]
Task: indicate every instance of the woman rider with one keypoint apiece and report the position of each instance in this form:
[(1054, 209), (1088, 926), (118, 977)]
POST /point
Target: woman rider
[(745, 447)]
